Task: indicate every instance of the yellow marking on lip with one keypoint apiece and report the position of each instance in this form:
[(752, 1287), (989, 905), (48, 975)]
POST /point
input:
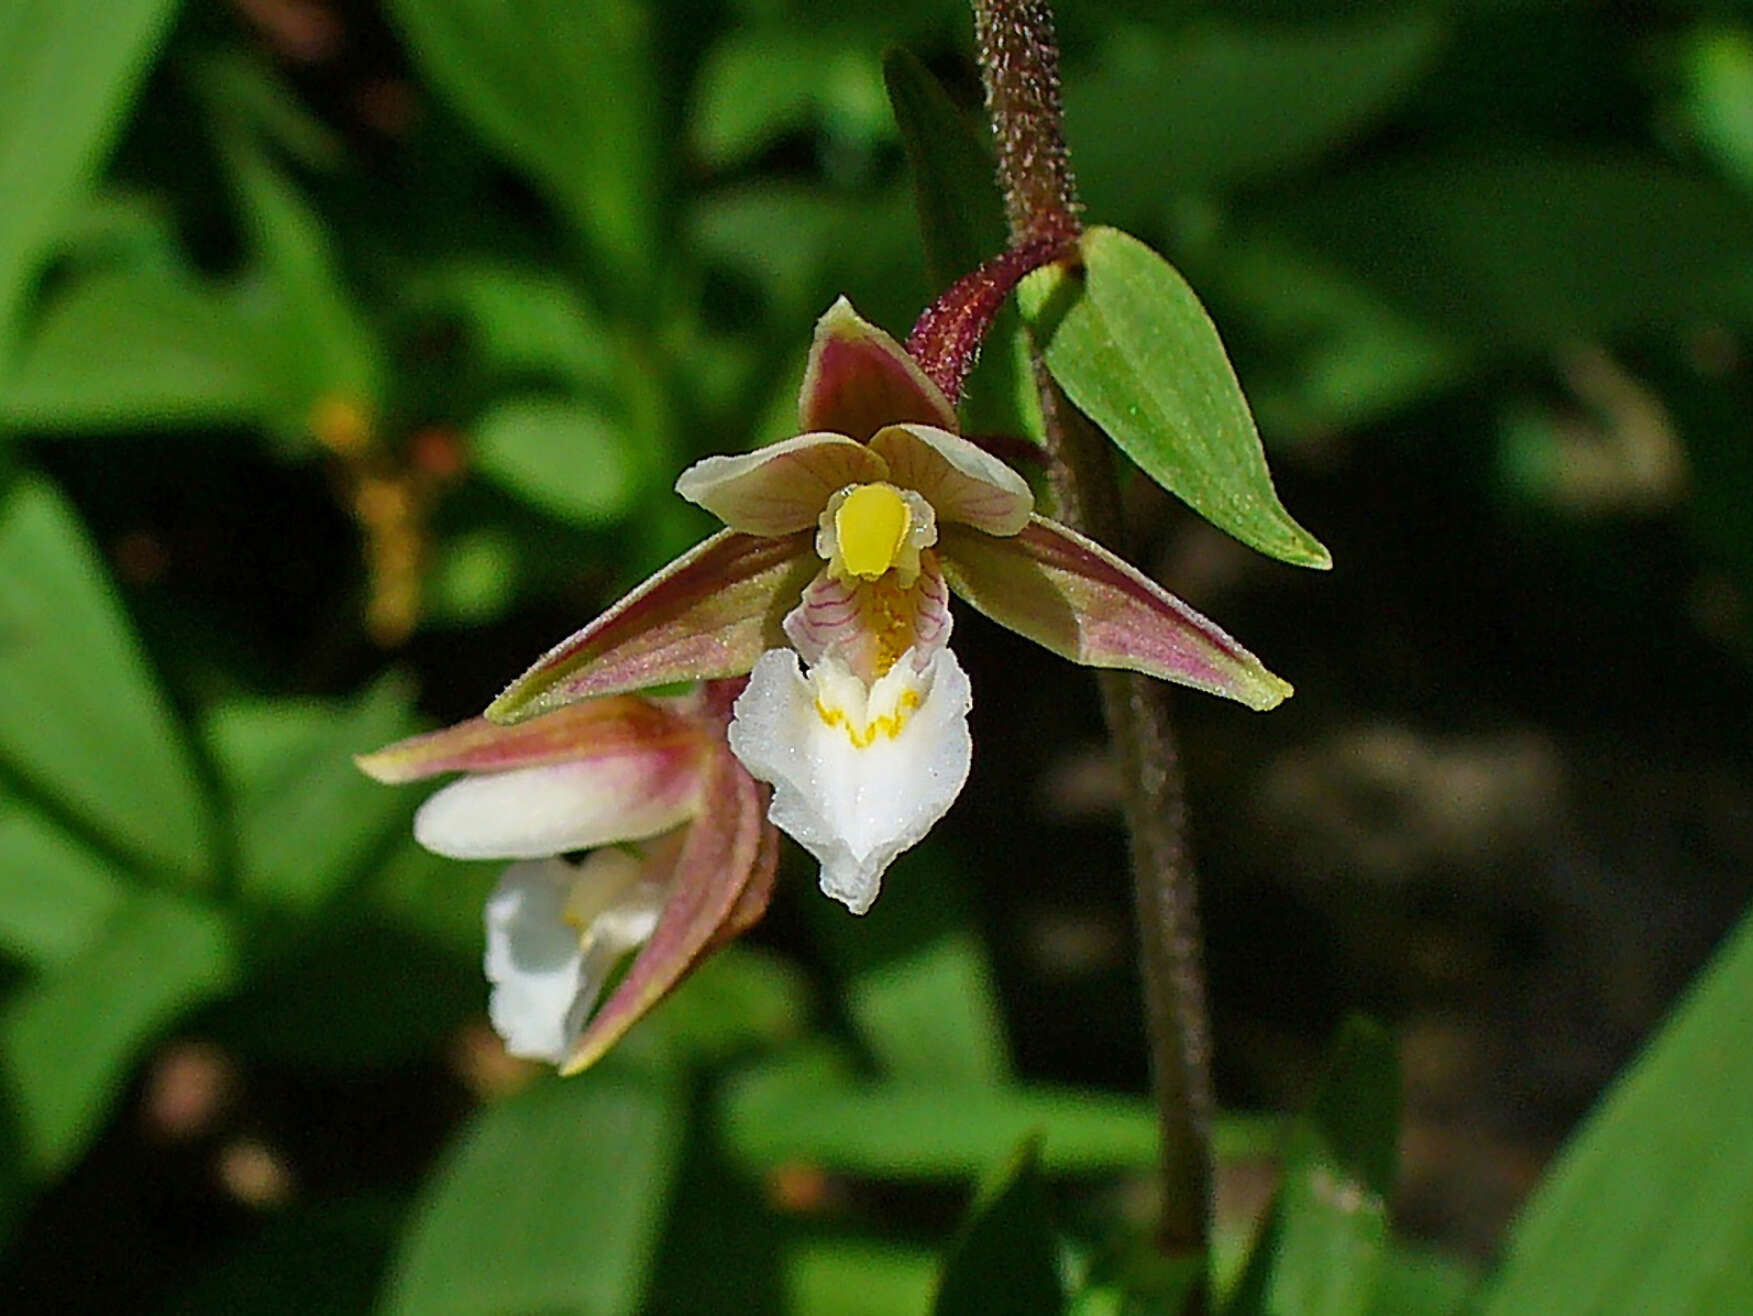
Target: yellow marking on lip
[(889, 724), (872, 525)]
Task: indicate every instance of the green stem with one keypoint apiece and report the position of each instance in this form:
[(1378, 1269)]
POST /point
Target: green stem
[(1019, 62)]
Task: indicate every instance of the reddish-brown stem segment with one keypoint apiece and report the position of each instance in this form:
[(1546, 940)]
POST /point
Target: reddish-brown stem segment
[(946, 338), (1019, 62)]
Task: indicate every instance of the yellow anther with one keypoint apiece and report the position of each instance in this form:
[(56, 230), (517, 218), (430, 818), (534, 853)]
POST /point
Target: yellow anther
[(872, 525)]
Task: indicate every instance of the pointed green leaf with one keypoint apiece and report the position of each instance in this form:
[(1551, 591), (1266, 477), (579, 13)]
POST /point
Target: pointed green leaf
[(961, 223), (856, 1277), (961, 214), (68, 1040), (761, 83), (68, 70), (1323, 1245), (1647, 1209), (551, 1202), (563, 90), (320, 337), (1006, 1260), (83, 720), (1128, 341)]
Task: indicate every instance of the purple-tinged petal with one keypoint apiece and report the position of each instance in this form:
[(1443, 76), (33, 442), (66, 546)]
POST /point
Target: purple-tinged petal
[(530, 813), (962, 482), (710, 613), (869, 624), (783, 487), (600, 728), (860, 379), (720, 862), (1074, 597)]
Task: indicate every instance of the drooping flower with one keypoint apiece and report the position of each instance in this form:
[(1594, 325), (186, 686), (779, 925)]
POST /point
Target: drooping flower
[(681, 858), (841, 548)]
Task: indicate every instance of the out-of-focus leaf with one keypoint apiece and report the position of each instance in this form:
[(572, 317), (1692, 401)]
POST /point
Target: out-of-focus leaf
[(776, 1115), (432, 897), (566, 92), (83, 719), (562, 455), (1416, 1281), (1128, 341), (1321, 1250), (127, 350), (758, 85), (68, 1039), (311, 1261), (738, 998), (253, 96), (852, 1277), (56, 895), (523, 321), (323, 341), (1647, 1209), (551, 1202), (353, 997), (919, 985), (1526, 250), (1218, 104), (1332, 353), (1005, 1261), (1717, 70), (474, 580), (305, 817), (68, 69)]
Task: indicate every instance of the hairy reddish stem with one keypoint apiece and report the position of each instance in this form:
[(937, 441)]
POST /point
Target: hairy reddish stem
[(1019, 62), (947, 336)]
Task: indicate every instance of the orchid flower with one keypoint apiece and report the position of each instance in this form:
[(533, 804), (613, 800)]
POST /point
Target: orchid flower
[(680, 858), (841, 548)]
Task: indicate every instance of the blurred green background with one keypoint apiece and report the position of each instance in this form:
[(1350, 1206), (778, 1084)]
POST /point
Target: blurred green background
[(348, 352)]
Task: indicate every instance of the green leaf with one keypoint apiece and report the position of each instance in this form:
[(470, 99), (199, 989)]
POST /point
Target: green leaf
[(1647, 1209), (523, 321), (1417, 1281), (961, 214), (736, 1000), (56, 896), (1217, 104), (1005, 1261), (779, 1114), (551, 1202), (324, 346), (566, 92), (306, 819), (961, 223), (562, 455), (1322, 1247), (856, 1277), (69, 1039), (1130, 344), (83, 719), (1521, 251), (919, 983), (759, 85), (68, 70), (134, 349)]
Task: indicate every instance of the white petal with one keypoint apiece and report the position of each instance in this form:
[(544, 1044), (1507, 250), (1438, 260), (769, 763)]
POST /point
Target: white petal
[(531, 813), (546, 971), (855, 806)]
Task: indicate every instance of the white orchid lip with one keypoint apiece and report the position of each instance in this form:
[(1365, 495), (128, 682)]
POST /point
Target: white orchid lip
[(859, 773)]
